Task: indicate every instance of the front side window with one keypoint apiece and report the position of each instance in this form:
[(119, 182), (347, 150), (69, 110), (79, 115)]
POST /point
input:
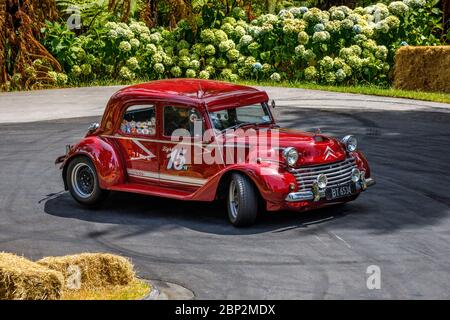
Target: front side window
[(188, 119), (139, 119), (236, 117)]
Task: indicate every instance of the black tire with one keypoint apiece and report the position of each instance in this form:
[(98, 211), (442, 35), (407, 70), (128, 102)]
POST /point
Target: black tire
[(242, 201), (83, 182)]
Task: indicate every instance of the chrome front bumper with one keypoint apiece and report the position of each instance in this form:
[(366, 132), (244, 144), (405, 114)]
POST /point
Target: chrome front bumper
[(316, 194)]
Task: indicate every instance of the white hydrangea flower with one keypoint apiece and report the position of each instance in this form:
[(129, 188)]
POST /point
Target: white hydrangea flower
[(239, 31), (183, 52), (190, 73), (145, 37), (157, 57), (275, 77), (112, 34), (176, 71), (220, 36), (340, 75), (393, 22), (285, 14), (135, 43), (76, 70), (414, 3), (302, 37), (151, 48), (337, 15), (184, 62), (211, 70), (132, 63), (227, 28), (245, 40), (326, 63), (227, 45), (226, 73), (381, 52), (300, 50), (204, 74), (347, 24), (125, 46), (210, 50), (159, 68), (207, 35), (398, 8), (233, 54), (321, 36), (195, 64), (126, 73), (311, 73), (155, 37), (309, 55), (319, 27)]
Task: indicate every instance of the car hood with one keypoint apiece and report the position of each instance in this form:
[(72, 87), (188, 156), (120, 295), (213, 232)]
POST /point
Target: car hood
[(313, 148)]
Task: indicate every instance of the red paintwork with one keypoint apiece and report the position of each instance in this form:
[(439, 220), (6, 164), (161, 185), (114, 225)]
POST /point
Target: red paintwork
[(111, 155)]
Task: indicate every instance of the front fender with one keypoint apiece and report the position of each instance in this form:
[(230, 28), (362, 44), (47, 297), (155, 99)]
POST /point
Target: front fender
[(106, 159), (362, 162), (272, 184)]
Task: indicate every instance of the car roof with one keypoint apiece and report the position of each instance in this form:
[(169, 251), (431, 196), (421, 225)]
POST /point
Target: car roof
[(209, 93)]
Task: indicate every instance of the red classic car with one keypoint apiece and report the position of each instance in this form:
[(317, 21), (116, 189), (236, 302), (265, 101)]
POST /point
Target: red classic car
[(204, 140)]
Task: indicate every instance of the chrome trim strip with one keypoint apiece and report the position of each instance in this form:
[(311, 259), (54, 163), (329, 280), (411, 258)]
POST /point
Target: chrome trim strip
[(166, 177)]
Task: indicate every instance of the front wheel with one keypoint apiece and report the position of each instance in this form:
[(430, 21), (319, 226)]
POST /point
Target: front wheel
[(83, 183), (242, 201)]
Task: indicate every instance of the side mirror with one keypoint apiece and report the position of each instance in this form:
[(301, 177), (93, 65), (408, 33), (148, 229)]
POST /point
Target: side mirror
[(272, 104), (93, 126)]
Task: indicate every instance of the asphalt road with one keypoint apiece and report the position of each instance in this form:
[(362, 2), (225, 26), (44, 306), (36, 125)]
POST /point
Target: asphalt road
[(401, 225)]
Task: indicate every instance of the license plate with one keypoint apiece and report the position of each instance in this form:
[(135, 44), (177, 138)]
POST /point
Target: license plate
[(340, 191)]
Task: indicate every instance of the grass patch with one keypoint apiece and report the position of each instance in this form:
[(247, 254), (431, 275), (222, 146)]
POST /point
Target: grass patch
[(135, 290), (358, 89), (368, 90)]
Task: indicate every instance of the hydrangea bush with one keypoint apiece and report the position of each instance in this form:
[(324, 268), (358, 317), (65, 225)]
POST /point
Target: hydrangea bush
[(337, 46)]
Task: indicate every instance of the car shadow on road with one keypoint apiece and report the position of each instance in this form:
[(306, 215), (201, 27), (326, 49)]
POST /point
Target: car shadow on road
[(152, 213)]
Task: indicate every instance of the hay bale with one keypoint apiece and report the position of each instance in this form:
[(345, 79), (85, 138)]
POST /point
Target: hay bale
[(424, 68), (95, 270), (22, 279)]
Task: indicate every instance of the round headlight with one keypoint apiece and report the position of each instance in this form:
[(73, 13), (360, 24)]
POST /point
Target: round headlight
[(290, 155), (356, 175), (322, 181), (350, 143)]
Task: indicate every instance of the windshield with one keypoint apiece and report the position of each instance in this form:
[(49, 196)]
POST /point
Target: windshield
[(239, 116)]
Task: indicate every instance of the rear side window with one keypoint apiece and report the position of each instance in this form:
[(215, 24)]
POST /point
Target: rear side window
[(140, 119)]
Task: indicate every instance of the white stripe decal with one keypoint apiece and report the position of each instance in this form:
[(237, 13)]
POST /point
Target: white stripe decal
[(155, 140), (149, 153), (166, 177)]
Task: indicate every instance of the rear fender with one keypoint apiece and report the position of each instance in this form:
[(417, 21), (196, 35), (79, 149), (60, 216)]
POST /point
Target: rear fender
[(103, 154)]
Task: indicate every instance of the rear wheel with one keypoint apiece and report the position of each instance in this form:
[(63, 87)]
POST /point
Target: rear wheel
[(83, 182), (242, 201)]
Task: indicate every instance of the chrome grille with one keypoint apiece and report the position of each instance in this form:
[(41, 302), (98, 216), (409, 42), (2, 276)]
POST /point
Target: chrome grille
[(337, 173)]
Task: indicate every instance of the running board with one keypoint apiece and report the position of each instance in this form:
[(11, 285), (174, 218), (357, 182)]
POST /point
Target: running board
[(149, 190)]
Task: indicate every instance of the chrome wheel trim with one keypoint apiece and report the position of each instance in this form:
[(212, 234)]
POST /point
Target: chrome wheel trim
[(83, 180), (233, 199)]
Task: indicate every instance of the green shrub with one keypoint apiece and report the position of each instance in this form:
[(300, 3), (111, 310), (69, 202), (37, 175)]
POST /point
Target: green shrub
[(335, 46)]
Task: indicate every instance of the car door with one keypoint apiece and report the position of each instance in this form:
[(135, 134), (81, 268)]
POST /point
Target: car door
[(177, 165), (136, 138)]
